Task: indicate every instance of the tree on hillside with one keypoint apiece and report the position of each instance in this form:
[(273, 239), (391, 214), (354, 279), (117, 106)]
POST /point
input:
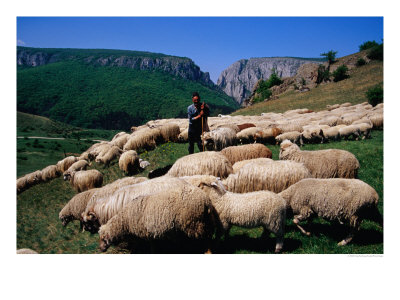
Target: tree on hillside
[(330, 56), (368, 45)]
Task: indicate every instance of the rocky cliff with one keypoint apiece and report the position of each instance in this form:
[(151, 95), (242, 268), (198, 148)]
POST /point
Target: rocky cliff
[(239, 79), (177, 66)]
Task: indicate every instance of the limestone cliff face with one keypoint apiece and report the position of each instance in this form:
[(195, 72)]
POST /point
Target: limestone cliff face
[(239, 79), (178, 66)]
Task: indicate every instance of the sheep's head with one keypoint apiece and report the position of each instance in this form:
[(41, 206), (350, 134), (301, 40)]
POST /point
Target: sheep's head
[(286, 147), (105, 241), (67, 176), (65, 219), (208, 141), (90, 222), (214, 188)]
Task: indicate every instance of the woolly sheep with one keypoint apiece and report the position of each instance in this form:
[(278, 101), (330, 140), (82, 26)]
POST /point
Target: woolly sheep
[(34, 178), (219, 138), (183, 136), (75, 207), (26, 251), (350, 131), (76, 166), (143, 163), (202, 163), (365, 129), (22, 184), (186, 210), (129, 162), (86, 180), (313, 133), (107, 157), (238, 165), (267, 135), (143, 139), (169, 132), (229, 125), (345, 200), (120, 139), (328, 163), (244, 152), (266, 174), (50, 172), (65, 163), (293, 136), (262, 208), (247, 135), (101, 209), (331, 133)]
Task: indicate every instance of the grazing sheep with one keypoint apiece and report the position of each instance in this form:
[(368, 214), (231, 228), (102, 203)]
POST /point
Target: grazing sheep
[(129, 162), (219, 138), (365, 129), (202, 163), (267, 135), (245, 125), (183, 136), (34, 178), (332, 107), (331, 133), (98, 149), (250, 151), (328, 163), (350, 131), (329, 120), (76, 166), (313, 133), (26, 251), (262, 208), (266, 174), (86, 156), (238, 165), (377, 120), (229, 125), (185, 210), (101, 209), (293, 136), (76, 206), (22, 184), (120, 139), (85, 180), (143, 139), (247, 135), (107, 157), (169, 132), (345, 200), (50, 172), (65, 163)]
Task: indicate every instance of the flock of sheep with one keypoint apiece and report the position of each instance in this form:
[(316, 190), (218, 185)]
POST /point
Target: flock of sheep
[(235, 182)]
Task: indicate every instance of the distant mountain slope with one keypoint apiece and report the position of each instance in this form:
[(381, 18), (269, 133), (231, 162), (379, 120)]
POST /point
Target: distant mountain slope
[(111, 89), (238, 79)]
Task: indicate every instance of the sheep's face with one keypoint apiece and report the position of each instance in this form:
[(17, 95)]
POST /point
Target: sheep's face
[(285, 146), (65, 220), (67, 176), (105, 242), (90, 222)]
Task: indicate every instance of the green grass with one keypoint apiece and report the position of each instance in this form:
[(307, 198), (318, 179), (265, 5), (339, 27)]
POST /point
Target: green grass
[(39, 228)]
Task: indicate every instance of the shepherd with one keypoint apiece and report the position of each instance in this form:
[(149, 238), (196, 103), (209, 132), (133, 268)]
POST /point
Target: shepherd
[(197, 113)]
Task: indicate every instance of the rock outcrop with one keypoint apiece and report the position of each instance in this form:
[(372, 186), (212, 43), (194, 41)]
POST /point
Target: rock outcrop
[(239, 79)]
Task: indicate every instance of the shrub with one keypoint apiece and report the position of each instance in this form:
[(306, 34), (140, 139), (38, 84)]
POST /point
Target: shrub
[(376, 52), (340, 73), (360, 62), (375, 95), (368, 45), (273, 80), (323, 74), (330, 56)]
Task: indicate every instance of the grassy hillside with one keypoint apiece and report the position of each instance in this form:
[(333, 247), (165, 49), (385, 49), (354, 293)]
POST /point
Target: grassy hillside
[(80, 93), (39, 228), (350, 90)]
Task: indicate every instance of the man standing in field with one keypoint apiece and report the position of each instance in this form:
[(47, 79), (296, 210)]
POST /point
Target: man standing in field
[(197, 114)]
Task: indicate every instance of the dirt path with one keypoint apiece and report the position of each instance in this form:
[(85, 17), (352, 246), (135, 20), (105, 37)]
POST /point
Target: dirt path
[(52, 138)]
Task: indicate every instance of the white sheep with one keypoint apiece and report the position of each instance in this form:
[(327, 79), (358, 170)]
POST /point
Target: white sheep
[(293, 136), (65, 163), (244, 152), (185, 210), (50, 172), (202, 163), (266, 174), (129, 162), (76, 166), (86, 180), (328, 163), (106, 157), (344, 200), (262, 208), (350, 131), (100, 209), (219, 138)]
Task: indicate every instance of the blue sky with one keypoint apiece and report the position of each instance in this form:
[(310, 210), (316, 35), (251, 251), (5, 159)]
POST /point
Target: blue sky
[(213, 43)]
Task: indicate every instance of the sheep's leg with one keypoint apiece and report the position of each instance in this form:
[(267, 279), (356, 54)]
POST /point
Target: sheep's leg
[(355, 225), (296, 220), (279, 244)]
